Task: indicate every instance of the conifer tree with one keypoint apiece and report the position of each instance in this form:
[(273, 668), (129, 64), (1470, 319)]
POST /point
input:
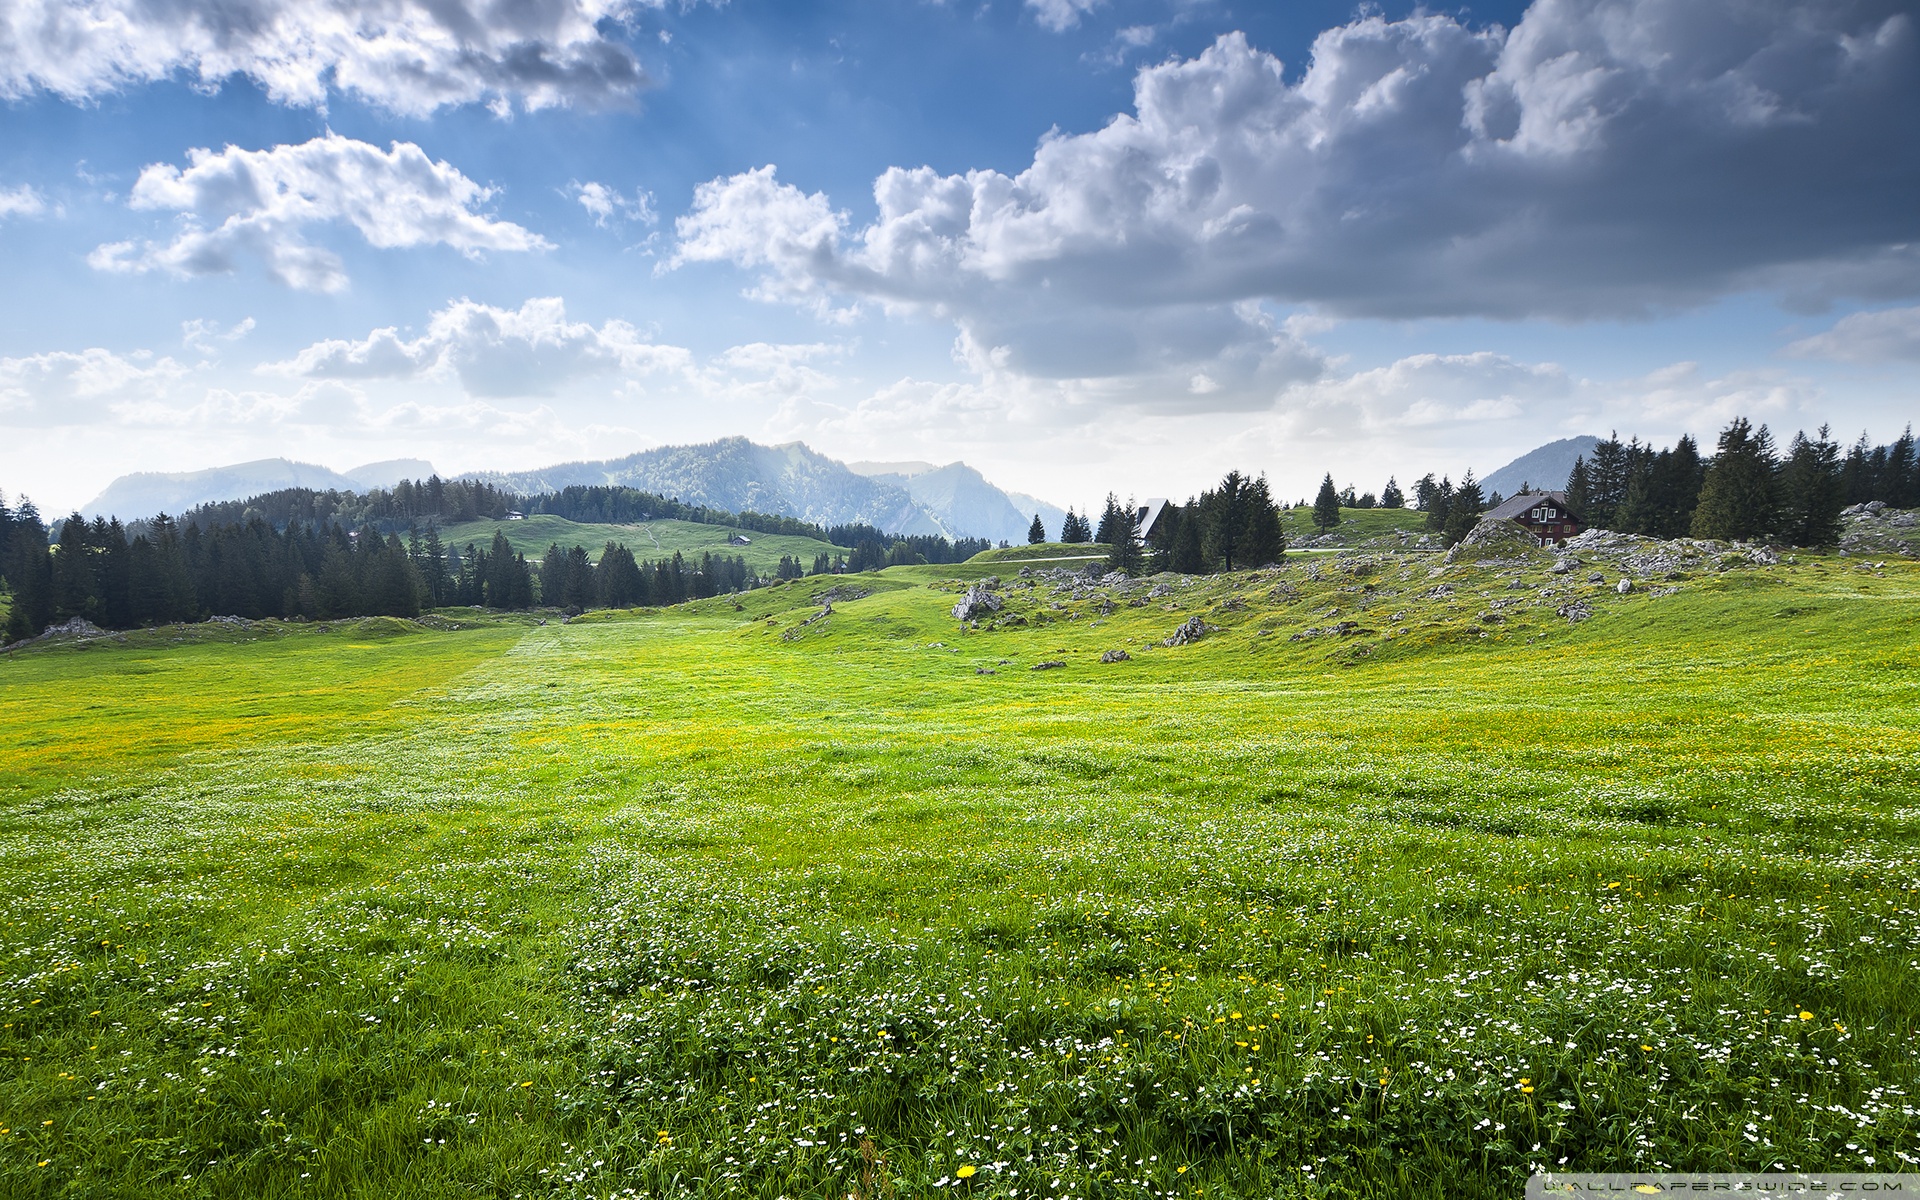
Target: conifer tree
[(1188, 554), (1580, 492), (1326, 505), (1810, 491), (1391, 496), (1463, 510), (1738, 497), (1123, 540), (1036, 532)]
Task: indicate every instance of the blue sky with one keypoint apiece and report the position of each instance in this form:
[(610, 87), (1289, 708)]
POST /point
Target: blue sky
[(1082, 244)]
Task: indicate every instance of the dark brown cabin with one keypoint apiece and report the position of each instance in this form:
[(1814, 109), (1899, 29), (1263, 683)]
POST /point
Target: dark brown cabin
[(1545, 514)]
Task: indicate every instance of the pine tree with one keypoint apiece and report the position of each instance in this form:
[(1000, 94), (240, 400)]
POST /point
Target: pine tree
[(1326, 506), (1186, 552), (1901, 488), (1105, 533), (1811, 491), (1263, 539), (1391, 496), (1580, 492), (1036, 532), (1463, 510), (1123, 528), (435, 566), (1738, 497)]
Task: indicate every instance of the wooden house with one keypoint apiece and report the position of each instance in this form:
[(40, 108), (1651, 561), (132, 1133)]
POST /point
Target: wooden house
[(1546, 515)]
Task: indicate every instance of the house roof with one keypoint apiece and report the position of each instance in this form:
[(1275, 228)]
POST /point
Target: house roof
[(1149, 513), (1510, 509)]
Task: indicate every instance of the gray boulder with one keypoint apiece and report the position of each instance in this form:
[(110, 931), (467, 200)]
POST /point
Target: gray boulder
[(979, 601)]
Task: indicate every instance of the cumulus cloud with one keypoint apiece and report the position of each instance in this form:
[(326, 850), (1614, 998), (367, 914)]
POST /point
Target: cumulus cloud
[(409, 56), (1603, 158), (205, 335), (1890, 335), (1061, 15), (494, 352), (605, 204), (238, 203), (20, 201), (72, 387)]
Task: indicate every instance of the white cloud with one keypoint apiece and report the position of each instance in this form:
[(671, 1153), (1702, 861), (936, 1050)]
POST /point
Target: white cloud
[(238, 203), (605, 204), (1061, 15), (409, 56), (20, 201), (529, 351), (1890, 335), (205, 335), (68, 387), (1604, 158)]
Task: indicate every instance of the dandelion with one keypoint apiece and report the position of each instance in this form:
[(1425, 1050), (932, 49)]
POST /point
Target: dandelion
[(1805, 1015), (966, 1172)]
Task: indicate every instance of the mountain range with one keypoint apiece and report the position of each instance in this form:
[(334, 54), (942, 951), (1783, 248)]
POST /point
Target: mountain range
[(733, 474), (146, 493)]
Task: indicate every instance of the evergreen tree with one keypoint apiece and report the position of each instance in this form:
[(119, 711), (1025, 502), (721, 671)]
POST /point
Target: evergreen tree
[(1123, 541), (1187, 553), (1580, 492), (1439, 505), (1224, 521), (1463, 510), (434, 564), (1811, 491), (1609, 473), (1263, 539), (1036, 532), (1857, 476), (1901, 488), (1738, 497), (1391, 496), (1111, 514), (1326, 506), (29, 572)]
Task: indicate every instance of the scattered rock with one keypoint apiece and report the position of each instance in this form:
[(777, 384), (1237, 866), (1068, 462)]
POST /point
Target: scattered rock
[(1192, 631), (1114, 656), (1561, 566), (1596, 577), (1500, 540), (843, 593), (1624, 586), (1574, 610), (1339, 629), (985, 671), (1490, 618), (979, 601), (1046, 666)]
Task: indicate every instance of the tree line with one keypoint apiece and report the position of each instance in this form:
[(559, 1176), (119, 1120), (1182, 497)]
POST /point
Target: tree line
[(172, 571), (1227, 528)]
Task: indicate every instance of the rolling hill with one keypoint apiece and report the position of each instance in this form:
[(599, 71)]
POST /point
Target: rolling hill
[(654, 539)]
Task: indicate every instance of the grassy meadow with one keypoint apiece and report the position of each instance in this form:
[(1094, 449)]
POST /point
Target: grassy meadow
[(733, 899), (652, 540)]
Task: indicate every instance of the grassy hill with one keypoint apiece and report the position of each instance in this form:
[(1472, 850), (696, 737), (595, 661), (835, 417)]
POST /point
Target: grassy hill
[(655, 539), (1405, 878), (1357, 525)]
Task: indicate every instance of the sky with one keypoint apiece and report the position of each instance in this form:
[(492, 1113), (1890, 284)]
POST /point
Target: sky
[(1084, 245)]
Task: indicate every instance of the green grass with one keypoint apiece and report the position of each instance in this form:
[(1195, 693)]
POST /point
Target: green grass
[(655, 539), (694, 902), (1066, 552), (1356, 525)]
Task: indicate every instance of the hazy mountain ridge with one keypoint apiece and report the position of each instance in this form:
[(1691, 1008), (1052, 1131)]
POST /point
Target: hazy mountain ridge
[(739, 475), (146, 493), (1545, 468)]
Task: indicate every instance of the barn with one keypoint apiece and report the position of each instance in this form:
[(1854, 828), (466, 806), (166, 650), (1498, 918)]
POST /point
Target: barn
[(1546, 515)]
